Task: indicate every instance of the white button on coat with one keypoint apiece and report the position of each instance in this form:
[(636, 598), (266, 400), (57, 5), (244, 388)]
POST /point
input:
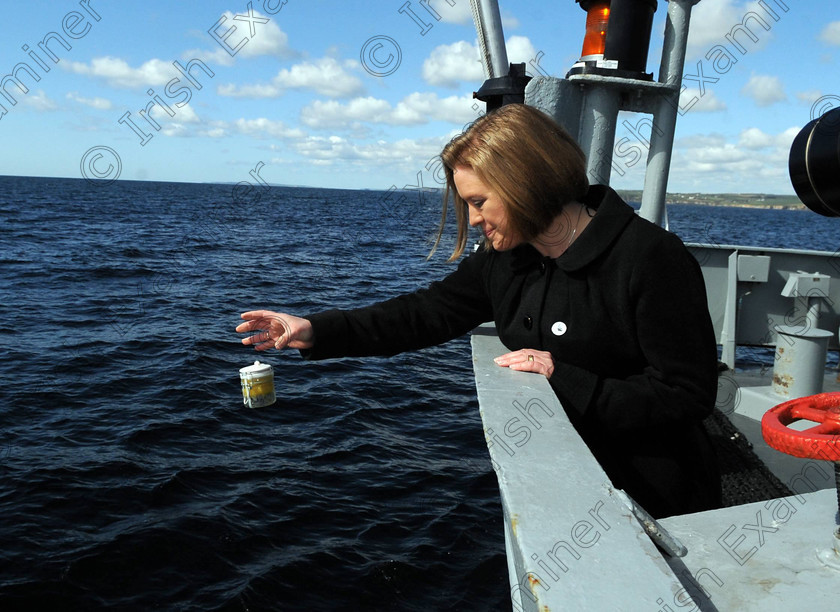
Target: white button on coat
[(559, 328)]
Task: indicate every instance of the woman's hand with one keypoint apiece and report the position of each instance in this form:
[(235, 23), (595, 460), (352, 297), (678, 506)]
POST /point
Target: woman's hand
[(528, 360), (276, 330)]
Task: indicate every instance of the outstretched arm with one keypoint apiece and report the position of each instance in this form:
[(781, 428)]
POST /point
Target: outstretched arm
[(445, 310)]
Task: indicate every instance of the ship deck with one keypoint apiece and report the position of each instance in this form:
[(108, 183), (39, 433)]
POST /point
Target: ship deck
[(744, 396)]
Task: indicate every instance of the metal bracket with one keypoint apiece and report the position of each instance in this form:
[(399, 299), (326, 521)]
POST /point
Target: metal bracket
[(655, 531)]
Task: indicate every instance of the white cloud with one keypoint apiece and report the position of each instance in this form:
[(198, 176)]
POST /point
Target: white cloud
[(268, 40), (118, 73), (748, 25), (450, 65), (722, 160), (460, 13), (509, 22), (334, 114), (414, 109), (175, 130), (419, 108), (696, 141), (214, 129), (186, 123), (183, 114), (809, 97), (754, 138), (332, 150), (731, 163), (712, 157), (263, 127), (831, 33), (97, 103), (765, 90), (326, 76), (263, 90), (39, 101), (692, 100), (711, 21), (785, 139), (520, 49)]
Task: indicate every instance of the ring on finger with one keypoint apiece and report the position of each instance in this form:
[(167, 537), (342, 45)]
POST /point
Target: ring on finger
[(530, 358)]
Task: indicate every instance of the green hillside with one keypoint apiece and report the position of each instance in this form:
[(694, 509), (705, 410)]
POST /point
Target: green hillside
[(751, 200)]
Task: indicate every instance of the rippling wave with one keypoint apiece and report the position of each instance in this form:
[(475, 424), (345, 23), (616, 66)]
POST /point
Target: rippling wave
[(133, 477)]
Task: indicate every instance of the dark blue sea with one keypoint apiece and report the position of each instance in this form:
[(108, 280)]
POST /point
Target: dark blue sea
[(133, 478)]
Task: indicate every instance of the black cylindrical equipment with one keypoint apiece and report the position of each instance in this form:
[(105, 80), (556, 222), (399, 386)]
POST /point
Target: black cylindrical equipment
[(628, 33), (626, 40), (814, 164)]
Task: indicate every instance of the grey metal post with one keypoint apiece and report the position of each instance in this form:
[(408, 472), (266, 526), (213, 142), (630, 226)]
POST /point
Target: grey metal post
[(491, 38), (665, 115), (597, 131), (727, 334)]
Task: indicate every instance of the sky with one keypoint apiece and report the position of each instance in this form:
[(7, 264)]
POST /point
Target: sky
[(365, 94)]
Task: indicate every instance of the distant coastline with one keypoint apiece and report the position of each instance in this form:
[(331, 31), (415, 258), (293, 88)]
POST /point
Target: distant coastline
[(735, 200)]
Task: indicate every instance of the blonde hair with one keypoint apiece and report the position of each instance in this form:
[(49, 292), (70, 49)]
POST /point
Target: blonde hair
[(523, 155)]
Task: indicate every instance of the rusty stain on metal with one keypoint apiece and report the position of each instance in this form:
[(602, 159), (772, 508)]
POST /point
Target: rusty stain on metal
[(533, 583), (785, 380), (514, 523)]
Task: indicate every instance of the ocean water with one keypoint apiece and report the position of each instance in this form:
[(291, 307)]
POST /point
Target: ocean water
[(131, 475)]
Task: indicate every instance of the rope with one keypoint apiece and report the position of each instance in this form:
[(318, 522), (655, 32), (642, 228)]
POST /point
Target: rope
[(837, 482), (486, 60)]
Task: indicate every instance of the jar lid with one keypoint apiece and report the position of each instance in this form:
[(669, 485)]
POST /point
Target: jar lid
[(257, 368)]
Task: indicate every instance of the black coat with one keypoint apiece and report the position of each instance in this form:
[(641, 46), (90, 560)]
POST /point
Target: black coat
[(623, 312)]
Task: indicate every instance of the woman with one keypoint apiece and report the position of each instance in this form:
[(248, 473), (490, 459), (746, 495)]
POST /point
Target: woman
[(610, 308)]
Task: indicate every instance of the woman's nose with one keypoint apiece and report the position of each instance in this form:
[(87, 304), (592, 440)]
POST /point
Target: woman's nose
[(475, 216)]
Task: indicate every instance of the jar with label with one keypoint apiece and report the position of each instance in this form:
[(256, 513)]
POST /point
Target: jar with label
[(257, 385)]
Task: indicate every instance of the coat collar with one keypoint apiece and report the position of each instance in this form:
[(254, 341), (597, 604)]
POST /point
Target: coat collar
[(612, 217)]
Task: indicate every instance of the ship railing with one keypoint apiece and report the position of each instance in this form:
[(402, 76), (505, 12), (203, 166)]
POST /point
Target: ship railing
[(564, 521), (574, 543)]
